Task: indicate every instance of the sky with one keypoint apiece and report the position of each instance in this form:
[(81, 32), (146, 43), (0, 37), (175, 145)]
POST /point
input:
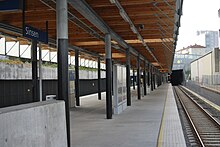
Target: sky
[(197, 15)]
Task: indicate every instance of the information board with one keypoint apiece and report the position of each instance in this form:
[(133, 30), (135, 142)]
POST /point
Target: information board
[(119, 88)]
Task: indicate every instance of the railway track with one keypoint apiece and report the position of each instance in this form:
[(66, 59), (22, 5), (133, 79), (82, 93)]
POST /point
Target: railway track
[(204, 128)]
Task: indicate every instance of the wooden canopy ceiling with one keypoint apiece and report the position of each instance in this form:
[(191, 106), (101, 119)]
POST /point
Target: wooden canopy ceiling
[(153, 19)]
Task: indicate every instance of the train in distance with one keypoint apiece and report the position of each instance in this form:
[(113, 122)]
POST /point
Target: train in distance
[(177, 77)]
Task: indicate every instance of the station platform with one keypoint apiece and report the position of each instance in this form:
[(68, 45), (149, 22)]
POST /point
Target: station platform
[(215, 88), (208, 92), (149, 122)]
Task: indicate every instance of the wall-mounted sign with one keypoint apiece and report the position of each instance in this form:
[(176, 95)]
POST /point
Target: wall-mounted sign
[(10, 5), (35, 34)]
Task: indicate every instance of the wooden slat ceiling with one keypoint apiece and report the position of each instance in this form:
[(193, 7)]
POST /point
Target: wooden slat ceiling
[(141, 12)]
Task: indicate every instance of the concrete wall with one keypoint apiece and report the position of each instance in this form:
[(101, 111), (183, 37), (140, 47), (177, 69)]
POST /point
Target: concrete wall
[(40, 124), (23, 71), (84, 74)]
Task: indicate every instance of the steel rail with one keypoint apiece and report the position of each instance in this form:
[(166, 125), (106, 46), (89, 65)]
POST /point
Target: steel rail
[(207, 113), (202, 122), (190, 120)]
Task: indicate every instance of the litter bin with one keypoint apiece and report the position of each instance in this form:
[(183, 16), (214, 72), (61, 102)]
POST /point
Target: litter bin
[(50, 97)]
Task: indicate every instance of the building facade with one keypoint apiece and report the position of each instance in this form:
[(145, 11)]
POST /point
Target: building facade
[(206, 69), (211, 38)]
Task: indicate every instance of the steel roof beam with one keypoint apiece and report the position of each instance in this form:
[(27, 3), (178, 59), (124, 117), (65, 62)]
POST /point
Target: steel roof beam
[(51, 42), (83, 8), (80, 24), (161, 12), (171, 7), (133, 28)]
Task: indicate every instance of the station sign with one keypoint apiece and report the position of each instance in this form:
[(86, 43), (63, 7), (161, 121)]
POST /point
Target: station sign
[(10, 5), (35, 34)]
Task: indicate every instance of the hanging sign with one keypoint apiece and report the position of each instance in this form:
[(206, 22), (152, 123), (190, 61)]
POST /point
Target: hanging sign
[(35, 34)]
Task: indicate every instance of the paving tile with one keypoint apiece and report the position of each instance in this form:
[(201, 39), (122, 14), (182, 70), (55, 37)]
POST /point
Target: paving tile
[(137, 126)]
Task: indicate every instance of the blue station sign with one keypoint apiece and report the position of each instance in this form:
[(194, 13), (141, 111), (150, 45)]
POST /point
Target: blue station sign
[(35, 34), (10, 5)]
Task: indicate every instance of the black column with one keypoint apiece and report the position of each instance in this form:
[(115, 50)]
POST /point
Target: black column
[(63, 79), (62, 48), (154, 82), (151, 76), (134, 79), (144, 80), (35, 89), (99, 79), (108, 76), (77, 77), (148, 76), (158, 83), (128, 78), (62, 69), (158, 79), (138, 78)]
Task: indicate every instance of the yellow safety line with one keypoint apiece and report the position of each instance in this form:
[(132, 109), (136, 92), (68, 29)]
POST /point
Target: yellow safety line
[(160, 135)]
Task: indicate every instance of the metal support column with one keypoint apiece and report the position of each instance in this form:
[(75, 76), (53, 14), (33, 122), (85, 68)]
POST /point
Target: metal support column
[(5, 47), (77, 77), (40, 73), (49, 53), (19, 50), (152, 83), (35, 91), (158, 77), (99, 79), (133, 79), (108, 56), (148, 76), (144, 79), (62, 40), (128, 77), (138, 78), (158, 82)]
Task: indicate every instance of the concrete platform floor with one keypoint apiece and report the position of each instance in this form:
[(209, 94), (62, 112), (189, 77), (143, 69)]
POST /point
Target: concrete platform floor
[(137, 126), (171, 132)]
